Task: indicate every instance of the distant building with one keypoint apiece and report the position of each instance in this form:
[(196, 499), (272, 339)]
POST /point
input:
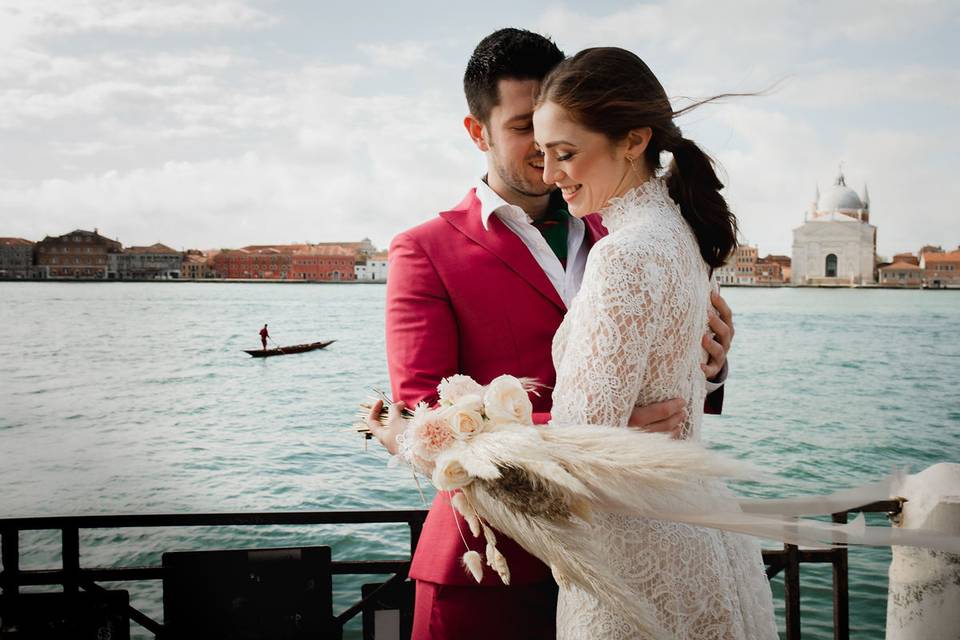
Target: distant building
[(740, 268), (836, 243), (306, 262), (373, 268), (81, 255), (196, 266), (769, 272), (901, 274), (252, 263), (156, 262), (784, 262), (16, 259), (324, 263), (909, 258), (941, 268)]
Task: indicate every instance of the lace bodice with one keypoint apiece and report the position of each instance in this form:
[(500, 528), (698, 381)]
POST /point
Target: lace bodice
[(632, 337)]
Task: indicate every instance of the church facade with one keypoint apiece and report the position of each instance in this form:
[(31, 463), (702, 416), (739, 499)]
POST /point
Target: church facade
[(836, 245)]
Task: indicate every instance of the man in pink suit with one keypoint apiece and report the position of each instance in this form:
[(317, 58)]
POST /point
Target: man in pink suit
[(480, 290)]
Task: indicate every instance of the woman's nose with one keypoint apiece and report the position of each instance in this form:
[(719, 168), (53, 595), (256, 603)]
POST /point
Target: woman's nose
[(551, 173)]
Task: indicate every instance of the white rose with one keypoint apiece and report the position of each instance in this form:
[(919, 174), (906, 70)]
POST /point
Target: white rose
[(449, 474), (505, 401), (454, 388), (465, 417)]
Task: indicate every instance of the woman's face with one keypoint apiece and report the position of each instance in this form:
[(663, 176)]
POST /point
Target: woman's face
[(588, 167)]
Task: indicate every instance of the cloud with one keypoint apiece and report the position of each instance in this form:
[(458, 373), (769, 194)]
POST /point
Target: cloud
[(401, 55), (225, 140), (26, 19)]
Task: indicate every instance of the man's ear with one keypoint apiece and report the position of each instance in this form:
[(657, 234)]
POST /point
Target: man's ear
[(477, 132), (637, 141)]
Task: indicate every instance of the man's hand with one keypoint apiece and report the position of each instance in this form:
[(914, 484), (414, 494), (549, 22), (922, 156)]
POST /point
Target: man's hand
[(660, 417), (717, 341), (396, 424)]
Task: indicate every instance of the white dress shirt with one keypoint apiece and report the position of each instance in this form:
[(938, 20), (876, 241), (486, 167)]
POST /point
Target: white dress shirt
[(565, 279)]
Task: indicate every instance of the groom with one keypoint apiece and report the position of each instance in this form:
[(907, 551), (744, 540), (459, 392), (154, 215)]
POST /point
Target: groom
[(480, 290)]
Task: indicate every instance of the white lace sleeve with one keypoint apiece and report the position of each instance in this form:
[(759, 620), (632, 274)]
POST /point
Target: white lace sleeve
[(615, 321)]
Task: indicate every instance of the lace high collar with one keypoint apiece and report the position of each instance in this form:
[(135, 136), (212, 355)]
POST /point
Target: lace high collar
[(652, 195)]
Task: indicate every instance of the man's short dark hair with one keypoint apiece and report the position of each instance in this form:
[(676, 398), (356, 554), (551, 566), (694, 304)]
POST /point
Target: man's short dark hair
[(516, 54)]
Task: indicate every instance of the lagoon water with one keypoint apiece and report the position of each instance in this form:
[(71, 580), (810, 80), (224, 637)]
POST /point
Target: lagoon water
[(137, 398)]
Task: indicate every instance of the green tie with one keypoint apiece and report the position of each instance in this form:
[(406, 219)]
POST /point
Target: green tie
[(554, 227)]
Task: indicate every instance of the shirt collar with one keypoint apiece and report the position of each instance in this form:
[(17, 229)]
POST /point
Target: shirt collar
[(491, 202)]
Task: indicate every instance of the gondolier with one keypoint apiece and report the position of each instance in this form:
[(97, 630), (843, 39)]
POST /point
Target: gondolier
[(264, 334)]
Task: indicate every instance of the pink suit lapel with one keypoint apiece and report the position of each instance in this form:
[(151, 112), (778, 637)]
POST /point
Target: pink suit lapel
[(595, 228), (503, 243)]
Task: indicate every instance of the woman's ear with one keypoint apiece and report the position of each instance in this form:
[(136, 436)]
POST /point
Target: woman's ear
[(477, 132), (637, 141)]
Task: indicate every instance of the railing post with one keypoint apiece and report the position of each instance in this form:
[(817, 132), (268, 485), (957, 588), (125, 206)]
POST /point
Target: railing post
[(791, 590), (70, 552), (416, 528), (841, 593), (10, 552)]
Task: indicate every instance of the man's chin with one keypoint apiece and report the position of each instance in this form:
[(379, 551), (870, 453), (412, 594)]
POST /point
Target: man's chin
[(536, 190)]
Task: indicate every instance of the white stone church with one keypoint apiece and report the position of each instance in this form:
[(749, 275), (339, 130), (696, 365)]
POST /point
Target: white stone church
[(836, 245)]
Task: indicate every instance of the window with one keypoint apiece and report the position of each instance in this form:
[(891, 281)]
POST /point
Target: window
[(831, 266)]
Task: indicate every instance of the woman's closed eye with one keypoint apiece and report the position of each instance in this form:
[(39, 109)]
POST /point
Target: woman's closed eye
[(563, 157)]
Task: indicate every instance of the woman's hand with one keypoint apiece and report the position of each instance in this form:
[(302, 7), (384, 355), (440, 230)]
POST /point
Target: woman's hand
[(396, 424), (717, 340)]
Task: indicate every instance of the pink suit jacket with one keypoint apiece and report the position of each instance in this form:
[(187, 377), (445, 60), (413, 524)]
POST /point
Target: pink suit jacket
[(470, 300)]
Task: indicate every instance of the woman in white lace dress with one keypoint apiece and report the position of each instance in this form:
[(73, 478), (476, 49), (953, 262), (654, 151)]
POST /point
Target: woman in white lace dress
[(632, 335)]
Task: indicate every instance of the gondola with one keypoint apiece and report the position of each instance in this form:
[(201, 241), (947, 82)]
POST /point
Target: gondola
[(282, 351)]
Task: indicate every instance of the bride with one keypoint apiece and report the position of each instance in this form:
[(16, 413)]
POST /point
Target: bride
[(632, 334)]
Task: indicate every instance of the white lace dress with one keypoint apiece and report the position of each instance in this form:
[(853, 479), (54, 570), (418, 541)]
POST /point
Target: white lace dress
[(632, 337)]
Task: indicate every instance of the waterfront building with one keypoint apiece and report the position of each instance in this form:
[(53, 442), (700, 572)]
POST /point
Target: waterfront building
[(372, 268), (836, 243), (901, 274), (196, 265), (254, 263), (783, 261), (156, 262), (909, 258), (941, 268), (324, 263), (16, 259), (768, 272), (740, 268), (76, 255)]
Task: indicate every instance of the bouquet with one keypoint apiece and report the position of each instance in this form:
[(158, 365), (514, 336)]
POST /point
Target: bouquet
[(542, 485)]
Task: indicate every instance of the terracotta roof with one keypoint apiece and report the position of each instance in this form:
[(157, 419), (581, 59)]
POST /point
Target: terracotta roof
[(946, 256), (11, 242), (154, 248), (900, 266), (325, 250)]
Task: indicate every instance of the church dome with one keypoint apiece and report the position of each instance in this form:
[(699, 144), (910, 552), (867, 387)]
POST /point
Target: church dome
[(840, 197)]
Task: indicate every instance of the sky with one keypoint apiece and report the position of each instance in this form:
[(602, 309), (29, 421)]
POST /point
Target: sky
[(224, 123)]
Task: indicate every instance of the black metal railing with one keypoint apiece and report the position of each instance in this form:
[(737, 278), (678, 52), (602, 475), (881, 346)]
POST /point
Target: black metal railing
[(72, 577)]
